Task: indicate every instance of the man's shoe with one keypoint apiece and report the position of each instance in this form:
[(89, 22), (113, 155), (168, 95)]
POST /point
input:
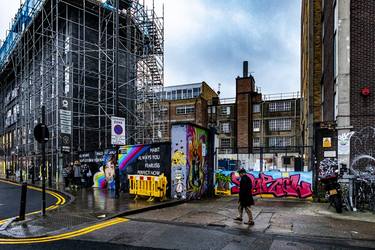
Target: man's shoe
[(238, 219), (250, 223)]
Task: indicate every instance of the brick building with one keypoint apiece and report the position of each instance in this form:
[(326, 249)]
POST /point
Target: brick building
[(185, 103), (346, 41)]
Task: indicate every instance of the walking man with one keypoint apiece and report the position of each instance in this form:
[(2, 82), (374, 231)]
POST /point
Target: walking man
[(245, 197)]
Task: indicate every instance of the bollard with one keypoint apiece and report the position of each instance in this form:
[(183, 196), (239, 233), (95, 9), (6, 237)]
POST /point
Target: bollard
[(23, 201)]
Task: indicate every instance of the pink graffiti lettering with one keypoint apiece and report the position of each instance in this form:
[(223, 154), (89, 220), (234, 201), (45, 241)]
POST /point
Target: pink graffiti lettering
[(279, 187)]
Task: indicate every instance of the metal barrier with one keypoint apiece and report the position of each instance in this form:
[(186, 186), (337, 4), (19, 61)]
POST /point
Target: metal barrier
[(148, 186)]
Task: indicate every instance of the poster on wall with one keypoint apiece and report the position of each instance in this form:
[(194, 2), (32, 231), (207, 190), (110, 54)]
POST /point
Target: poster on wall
[(105, 161), (343, 147), (149, 160)]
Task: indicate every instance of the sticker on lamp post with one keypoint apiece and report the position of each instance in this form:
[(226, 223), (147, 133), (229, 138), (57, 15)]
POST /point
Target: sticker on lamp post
[(118, 130)]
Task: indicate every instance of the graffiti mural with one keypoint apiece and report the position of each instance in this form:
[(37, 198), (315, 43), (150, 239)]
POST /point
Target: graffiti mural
[(363, 151), (189, 162), (327, 167), (179, 159), (278, 184), (197, 161)]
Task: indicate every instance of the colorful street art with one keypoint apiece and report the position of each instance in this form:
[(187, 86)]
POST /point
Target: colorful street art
[(278, 184), (104, 178), (189, 162), (129, 154)]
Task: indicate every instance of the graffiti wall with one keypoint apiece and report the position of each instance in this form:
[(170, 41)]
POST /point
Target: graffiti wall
[(276, 183), (189, 161)]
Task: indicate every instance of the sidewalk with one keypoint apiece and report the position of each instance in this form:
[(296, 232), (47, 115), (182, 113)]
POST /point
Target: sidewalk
[(86, 207), (272, 216)]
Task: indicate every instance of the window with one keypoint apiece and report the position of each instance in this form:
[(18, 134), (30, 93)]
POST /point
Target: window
[(189, 93), (179, 94), (280, 106), (184, 94), (256, 108), (196, 92), (169, 95), (256, 125), (173, 95), (225, 110), (183, 110), (225, 127), (256, 142), (279, 141), (225, 143), (280, 124)]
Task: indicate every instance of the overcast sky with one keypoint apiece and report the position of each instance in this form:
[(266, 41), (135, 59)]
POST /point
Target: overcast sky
[(207, 40)]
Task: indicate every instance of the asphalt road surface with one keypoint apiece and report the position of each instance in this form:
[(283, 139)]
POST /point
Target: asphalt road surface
[(150, 235), (10, 196)]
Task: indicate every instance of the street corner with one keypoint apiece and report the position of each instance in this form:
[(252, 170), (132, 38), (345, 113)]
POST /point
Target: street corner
[(73, 233)]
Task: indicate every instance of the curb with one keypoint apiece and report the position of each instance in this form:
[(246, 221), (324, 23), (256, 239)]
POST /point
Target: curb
[(149, 208)]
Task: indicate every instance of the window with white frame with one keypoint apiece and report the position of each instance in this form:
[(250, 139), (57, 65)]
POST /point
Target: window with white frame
[(225, 143), (183, 110), (256, 108), (280, 106), (256, 125), (280, 124), (225, 127), (225, 110), (279, 141), (256, 142)]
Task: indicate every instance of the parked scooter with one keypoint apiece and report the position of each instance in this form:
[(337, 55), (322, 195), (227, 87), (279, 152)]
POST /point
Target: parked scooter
[(333, 191)]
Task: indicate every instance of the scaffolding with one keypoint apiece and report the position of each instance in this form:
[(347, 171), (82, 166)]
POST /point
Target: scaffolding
[(63, 53)]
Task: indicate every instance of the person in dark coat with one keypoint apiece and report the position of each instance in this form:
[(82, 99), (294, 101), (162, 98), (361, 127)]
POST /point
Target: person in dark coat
[(245, 197)]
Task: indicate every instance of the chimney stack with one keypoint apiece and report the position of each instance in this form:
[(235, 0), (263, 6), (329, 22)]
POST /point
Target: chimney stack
[(245, 69)]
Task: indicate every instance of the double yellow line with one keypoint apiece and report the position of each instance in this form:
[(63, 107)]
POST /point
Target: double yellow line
[(65, 235), (60, 199)]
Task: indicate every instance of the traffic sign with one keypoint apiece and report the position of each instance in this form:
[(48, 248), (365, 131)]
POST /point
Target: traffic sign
[(41, 133)]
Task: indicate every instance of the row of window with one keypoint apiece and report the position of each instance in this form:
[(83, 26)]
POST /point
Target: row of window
[(275, 107), (282, 141), (184, 110), (180, 94), (223, 110), (283, 124)]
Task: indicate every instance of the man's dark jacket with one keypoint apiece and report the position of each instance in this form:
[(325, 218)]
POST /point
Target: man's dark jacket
[(246, 197)]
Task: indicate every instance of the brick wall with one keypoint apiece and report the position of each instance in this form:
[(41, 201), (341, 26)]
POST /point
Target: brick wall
[(362, 71)]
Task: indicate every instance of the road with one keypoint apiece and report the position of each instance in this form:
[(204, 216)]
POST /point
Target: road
[(10, 196), (162, 235)]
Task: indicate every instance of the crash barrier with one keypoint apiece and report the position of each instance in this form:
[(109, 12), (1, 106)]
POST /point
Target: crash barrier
[(148, 186)]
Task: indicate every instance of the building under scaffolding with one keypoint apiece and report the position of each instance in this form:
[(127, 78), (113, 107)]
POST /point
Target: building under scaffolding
[(61, 54)]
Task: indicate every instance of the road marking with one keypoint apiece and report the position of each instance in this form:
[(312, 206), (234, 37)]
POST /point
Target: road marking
[(7, 241), (60, 199)]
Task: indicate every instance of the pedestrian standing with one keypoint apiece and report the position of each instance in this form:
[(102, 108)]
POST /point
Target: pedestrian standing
[(65, 173), (77, 175), (245, 197)]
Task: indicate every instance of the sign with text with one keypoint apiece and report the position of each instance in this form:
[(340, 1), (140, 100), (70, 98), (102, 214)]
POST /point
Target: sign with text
[(148, 160), (65, 118), (118, 130)]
